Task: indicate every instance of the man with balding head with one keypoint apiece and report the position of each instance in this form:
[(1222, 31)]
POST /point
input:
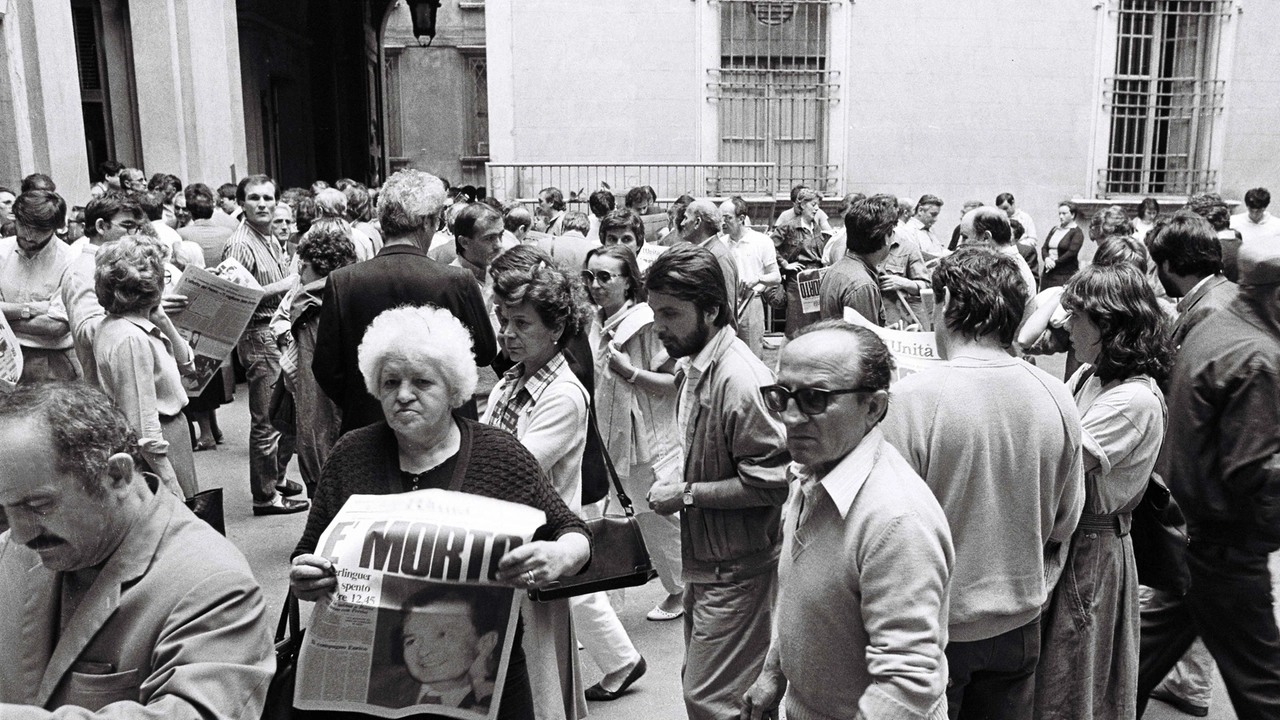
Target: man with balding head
[(866, 556), (991, 227), (516, 223), (402, 273), (700, 227)]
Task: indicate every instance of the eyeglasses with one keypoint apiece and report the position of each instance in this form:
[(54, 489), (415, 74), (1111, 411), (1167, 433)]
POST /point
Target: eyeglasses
[(810, 401), (604, 277), (129, 226)]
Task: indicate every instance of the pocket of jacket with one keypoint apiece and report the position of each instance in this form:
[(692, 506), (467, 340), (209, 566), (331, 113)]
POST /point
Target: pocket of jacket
[(95, 692)]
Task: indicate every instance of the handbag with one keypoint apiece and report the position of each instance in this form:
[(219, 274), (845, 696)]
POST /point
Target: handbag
[(1159, 535), (207, 505), (279, 704), (619, 558), (595, 473), (282, 411)]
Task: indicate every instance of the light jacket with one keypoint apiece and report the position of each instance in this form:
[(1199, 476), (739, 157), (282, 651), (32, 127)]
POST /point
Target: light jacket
[(731, 436)]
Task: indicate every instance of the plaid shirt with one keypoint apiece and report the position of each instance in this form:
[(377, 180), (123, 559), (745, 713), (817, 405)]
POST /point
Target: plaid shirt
[(516, 396)]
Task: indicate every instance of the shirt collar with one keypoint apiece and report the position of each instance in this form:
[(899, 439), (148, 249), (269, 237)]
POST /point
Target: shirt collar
[(544, 376), (710, 351), (847, 478), (147, 326)]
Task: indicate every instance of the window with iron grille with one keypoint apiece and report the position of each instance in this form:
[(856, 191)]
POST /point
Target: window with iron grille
[(774, 89), (1164, 98)]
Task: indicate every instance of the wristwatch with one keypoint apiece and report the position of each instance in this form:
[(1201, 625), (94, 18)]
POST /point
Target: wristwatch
[(26, 312), (688, 495)]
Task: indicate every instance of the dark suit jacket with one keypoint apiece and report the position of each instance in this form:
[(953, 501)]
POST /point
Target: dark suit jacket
[(356, 294), (1216, 293), (393, 687)]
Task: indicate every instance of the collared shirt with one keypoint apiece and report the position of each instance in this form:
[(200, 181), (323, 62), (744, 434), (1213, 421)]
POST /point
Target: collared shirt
[(449, 698), (846, 478), (1254, 232), (520, 391), (930, 244), (1197, 286), (37, 278), (262, 257), (754, 254), (137, 368), (688, 374), (1024, 269)]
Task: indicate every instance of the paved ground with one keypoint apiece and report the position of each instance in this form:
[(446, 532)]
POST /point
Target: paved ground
[(268, 541)]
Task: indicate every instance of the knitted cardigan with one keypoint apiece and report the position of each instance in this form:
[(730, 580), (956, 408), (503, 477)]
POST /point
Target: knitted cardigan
[(491, 462)]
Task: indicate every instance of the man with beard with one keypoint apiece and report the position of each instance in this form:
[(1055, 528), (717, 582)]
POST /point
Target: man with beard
[(253, 246), (733, 487), (32, 265), (106, 218)]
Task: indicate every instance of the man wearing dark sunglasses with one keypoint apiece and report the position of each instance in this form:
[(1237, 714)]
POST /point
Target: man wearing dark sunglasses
[(866, 551)]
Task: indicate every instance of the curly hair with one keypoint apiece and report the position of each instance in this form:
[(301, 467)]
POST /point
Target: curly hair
[(327, 246), (129, 274), (1111, 220), (1135, 331), (554, 294), (86, 427), (408, 200), (426, 331), (988, 294)]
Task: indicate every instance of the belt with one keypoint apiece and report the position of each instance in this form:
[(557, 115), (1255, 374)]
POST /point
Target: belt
[(1119, 523)]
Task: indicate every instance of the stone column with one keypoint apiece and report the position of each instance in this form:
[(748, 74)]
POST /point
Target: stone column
[(41, 120), (189, 102)]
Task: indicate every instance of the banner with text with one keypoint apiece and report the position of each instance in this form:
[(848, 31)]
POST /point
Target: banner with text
[(912, 351)]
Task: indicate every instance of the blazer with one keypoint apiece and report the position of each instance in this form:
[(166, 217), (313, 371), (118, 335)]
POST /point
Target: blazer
[(174, 622), (356, 294)]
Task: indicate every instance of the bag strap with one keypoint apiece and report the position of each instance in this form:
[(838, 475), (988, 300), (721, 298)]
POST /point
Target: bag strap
[(1084, 378), (593, 429), (289, 618)]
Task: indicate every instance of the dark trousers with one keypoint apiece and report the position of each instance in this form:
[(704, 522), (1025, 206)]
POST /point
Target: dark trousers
[(994, 679), (1230, 607)]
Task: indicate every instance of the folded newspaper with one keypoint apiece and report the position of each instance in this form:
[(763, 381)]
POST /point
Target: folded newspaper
[(218, 310), (10, 357), (418, 622)]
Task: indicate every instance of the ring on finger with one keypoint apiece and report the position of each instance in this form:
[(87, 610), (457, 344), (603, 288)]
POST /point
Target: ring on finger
[(528, 577)]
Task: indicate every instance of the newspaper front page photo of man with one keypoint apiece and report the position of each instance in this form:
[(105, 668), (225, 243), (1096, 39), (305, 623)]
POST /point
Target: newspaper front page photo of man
[(441, 646)]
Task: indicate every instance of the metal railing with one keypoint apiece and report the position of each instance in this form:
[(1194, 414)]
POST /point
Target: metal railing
[(522, 181)]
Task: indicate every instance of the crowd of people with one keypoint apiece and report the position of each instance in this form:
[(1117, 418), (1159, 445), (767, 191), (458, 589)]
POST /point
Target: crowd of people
[(835, 532)]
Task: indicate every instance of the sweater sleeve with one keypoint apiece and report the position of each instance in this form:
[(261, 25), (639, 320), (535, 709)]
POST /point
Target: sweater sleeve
[(902, 613), (333, 488)]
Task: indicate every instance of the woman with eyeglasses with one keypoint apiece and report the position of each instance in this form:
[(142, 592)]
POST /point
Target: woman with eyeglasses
[(1089, 660), (635, 406)]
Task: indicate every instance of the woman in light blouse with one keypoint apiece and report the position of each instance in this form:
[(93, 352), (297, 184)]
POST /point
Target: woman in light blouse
[(140, 353)]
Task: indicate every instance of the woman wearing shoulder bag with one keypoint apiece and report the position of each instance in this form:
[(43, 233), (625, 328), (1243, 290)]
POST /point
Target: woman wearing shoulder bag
[(1089, 658), (546, 407), (635, 406)]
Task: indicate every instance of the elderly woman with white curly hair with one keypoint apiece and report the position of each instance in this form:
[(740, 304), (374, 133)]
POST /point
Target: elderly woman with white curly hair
[(417, 361), (141, 357)]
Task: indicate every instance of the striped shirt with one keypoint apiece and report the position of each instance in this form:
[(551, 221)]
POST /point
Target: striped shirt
[(261, 256)]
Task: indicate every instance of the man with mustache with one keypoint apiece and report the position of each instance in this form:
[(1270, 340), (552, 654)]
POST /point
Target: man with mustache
[(734, 483), (115, 600)]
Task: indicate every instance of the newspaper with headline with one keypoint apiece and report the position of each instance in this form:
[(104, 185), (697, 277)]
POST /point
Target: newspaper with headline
[(220, 305), (913, 351), (418, 622), (10, 357)]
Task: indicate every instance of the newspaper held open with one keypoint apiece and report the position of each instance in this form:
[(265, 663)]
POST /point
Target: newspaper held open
[(219, 309), (912, 351), (417, 623)]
